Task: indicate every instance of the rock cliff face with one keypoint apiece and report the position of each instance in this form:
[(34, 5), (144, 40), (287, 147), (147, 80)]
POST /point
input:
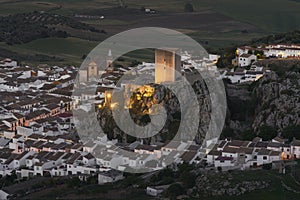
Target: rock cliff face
[(278, 101), (272, 101)]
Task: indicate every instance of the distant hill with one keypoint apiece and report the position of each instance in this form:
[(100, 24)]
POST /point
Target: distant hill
[(26, 27), (292, 37)]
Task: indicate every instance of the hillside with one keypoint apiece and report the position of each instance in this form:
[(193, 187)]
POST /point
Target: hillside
[(187, 180), (269, 106), (215, 24)]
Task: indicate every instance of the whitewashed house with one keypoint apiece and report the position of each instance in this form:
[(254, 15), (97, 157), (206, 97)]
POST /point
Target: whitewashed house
[(89, 147), (154, 191), (4, 195), (223, 161), (8, 63), (89, 159), (173, 146), (295, 147), (230, 152), (78, 168), (59, 171), (25, 173), (212, 156), (286, 151), (265, 156), (275, 146), (109, 176), (246, 60), (278, 140)]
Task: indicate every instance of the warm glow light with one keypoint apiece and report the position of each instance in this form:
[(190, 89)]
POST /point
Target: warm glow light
[(258, 77), (99, 106), (108, 95), (283, 156), (113, 105)]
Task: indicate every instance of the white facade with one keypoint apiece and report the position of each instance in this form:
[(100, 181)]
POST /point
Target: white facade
[(74, 169), (246, 60), (8, 63), (224, 162), (3, 195), (278, 50), (109, 177), (152, 191), (295, 147)]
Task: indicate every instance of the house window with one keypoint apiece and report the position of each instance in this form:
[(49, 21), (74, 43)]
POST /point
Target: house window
[(255, 157), (222, 161), (265, 158)]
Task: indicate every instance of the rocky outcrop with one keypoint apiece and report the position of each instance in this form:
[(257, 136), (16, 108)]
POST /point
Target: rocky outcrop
[(163, 96), (278, 102), (272, 101), (224, 184), (241, 105)]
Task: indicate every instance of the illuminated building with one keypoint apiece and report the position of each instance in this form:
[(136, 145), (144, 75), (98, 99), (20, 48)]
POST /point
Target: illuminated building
[(108, 95)]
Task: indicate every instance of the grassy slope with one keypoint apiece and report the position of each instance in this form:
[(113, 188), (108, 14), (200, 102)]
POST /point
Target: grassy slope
[(119, 190), (71, 49), (268, 15)]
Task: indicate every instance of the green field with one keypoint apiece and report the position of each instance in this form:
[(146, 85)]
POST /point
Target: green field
[(71, 49)]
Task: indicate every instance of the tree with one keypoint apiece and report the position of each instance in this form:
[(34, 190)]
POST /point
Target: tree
[(226, 59), (174, 190), (188, 179), (267, 166), (247, 135), (291, 132), (259, 53), (73, 182), (188, 7), (267, 132), (227, 133)]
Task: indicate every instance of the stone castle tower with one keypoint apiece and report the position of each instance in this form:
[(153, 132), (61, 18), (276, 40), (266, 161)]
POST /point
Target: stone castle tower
[(167, 62)]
